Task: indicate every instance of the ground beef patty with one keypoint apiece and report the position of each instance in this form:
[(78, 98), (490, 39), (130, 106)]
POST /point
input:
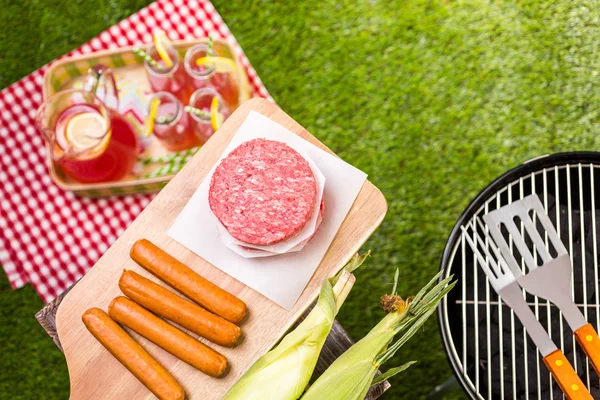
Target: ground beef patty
[(263, 192), (319, 220)]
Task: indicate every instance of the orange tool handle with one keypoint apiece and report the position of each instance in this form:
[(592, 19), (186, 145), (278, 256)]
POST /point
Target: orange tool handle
[(588, 339), (566, 377)]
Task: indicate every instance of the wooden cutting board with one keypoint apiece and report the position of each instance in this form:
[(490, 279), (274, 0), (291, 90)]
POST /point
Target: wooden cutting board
[(96, 374)]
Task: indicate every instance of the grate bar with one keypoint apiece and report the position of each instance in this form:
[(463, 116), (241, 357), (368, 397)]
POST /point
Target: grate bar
[(512, 320), (570, 226), (464, 308), (595, 246), (525, 362), (557, 206), (476, 309), (536, 302), (501, 331), (548, 313), (487, 321), (593, 190), (582, 232)]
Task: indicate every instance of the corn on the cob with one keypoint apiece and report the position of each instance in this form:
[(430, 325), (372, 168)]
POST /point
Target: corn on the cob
[(284, 372), (351, 375)]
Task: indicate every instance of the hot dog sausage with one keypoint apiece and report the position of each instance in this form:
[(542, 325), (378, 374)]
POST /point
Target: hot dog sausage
[(132, 355), (165, 335), (188, 282), (167, 304)]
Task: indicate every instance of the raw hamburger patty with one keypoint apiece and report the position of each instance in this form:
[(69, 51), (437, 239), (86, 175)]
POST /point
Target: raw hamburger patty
[(319, 220), (263, 192)]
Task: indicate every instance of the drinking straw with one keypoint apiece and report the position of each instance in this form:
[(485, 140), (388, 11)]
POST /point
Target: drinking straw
[(210, 45), (197, 112), (164, 119), (179, 156), (173, 160), (146, 57), (168, 169)]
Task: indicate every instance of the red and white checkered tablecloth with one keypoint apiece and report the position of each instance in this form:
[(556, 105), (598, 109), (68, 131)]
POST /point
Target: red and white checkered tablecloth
[(50, 237)]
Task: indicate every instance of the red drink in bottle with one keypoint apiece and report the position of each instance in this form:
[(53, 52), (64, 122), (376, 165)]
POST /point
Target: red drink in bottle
[(171, 79), (203, 125), (172, 126), (207, 76)]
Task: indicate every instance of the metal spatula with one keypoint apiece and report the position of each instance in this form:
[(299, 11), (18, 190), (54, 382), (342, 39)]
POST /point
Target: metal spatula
[(505, 284), (552, 279)]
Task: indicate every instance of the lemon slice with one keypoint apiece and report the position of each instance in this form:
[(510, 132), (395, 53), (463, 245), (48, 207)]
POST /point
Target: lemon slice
[(162, 43), (220, 64), (152, 116), (84, 131), (216, 118)]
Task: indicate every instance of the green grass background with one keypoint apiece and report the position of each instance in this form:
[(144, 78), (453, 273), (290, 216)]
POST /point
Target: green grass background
[(433, 99)]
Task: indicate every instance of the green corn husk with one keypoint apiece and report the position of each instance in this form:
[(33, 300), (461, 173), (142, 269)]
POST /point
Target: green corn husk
[(284, 372), (353, 373)]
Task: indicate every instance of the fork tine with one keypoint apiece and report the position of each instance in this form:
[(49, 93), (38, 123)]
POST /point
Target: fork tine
[(493, 273), (481, 225), (493, 220), (485, 250), (502, 265)]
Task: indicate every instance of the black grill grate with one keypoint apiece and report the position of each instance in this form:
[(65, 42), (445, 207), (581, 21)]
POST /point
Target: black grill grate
[(486, 343)]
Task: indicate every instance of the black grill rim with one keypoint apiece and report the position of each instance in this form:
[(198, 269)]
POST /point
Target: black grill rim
[(533, 165)]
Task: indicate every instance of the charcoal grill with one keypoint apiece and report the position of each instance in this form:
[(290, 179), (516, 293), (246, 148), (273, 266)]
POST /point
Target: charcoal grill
[(487, 347)]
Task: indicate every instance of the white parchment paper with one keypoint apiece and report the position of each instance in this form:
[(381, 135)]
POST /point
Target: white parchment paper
[(281, 278)]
